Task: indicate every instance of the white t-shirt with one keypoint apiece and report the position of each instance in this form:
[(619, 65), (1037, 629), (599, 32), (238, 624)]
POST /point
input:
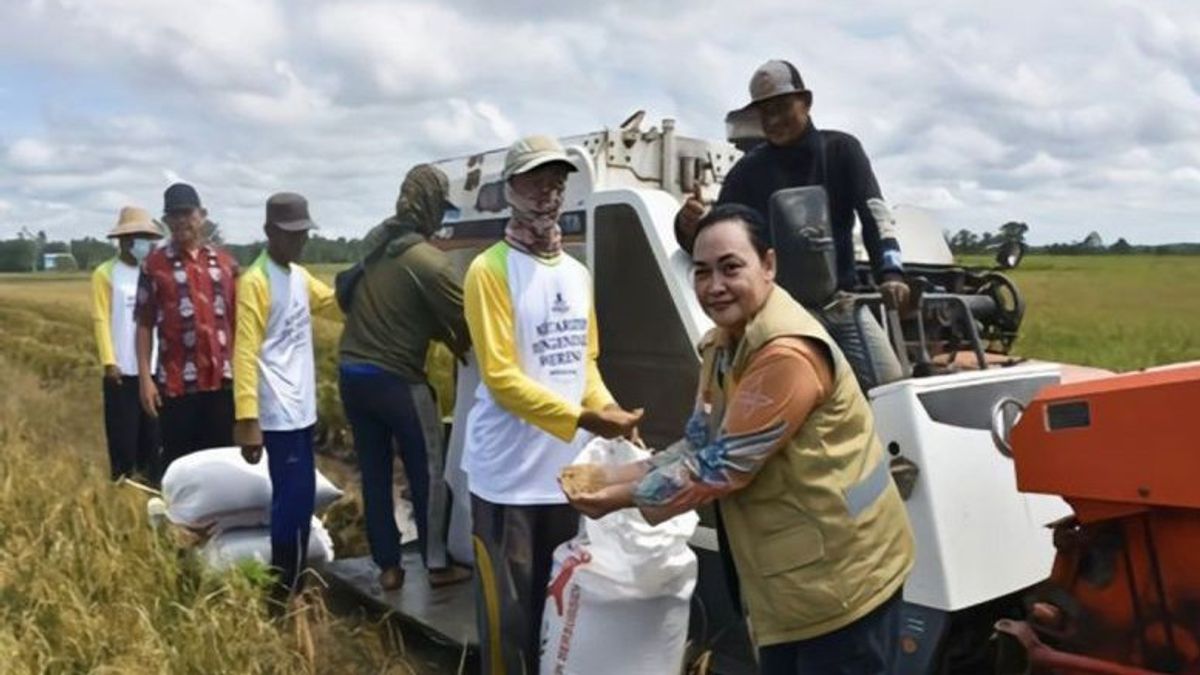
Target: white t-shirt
[(124, 279), (286, 372), (507, 459)]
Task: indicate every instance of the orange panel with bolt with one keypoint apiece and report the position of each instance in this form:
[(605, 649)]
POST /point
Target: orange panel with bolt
[(1124, 594)]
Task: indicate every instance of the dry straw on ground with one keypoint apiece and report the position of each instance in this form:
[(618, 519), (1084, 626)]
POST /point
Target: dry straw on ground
[(86, 586)]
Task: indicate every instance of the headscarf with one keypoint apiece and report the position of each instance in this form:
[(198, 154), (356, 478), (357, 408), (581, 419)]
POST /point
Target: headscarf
[(533, 227), (419, 210), (422, 201)]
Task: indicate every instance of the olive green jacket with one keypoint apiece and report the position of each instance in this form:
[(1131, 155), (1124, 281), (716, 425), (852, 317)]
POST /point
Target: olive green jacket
[(407, 296)]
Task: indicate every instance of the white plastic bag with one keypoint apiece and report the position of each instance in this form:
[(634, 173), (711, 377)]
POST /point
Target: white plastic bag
[(231, 547), (620, 592), (218, 487), (458, 539)]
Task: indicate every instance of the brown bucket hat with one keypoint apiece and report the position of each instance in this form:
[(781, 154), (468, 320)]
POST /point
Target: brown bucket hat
[(289, 211)]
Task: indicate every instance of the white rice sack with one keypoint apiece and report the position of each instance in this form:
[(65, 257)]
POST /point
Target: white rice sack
[(619, 597), (231, 547), (218, 487)]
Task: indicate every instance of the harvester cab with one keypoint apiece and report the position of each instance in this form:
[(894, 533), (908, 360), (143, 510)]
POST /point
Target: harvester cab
[(980, 541)]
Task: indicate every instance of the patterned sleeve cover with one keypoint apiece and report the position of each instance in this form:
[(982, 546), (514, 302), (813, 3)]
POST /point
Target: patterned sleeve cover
[(782, 384)]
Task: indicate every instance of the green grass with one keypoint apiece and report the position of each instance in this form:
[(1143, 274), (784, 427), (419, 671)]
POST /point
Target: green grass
[(1116, 312)]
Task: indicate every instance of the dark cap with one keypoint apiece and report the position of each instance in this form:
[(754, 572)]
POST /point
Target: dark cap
[(180, 196), (289, 211)]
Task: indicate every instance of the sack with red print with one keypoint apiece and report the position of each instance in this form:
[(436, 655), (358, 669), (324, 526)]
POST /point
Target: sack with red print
[(620, 591)]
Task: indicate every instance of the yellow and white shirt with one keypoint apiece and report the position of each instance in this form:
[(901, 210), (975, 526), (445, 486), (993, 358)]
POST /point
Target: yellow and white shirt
[(534, 331), (274, 377), (114, 296)]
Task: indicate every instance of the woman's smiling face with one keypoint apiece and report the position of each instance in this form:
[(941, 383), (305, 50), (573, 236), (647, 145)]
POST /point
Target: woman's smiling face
[(731, 279)]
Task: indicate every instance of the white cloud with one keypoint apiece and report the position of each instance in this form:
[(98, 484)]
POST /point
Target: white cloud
[(31, 153), (290, 103), (1071, 116), (465, 124), (1041, 167), (1187, 175)]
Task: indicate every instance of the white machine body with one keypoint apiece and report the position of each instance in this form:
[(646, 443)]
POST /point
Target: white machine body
[(977, 537)]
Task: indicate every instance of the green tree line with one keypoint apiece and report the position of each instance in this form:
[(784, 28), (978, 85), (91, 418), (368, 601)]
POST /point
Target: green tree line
[(27, 254), (968, 242)]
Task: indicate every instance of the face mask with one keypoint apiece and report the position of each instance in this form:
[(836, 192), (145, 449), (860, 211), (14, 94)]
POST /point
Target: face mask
[(141, 248)]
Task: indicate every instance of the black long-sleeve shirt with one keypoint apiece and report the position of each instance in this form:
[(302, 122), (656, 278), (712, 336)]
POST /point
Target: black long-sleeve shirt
[(836, 160)]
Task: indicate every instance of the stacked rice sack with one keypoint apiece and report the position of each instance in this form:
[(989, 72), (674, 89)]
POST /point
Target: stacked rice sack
[(219, 494)]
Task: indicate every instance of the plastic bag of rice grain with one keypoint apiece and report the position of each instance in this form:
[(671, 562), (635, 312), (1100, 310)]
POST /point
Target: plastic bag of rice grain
[(216, 487), (620, 591)]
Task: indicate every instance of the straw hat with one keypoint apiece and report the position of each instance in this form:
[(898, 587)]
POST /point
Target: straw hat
[(135, 221)]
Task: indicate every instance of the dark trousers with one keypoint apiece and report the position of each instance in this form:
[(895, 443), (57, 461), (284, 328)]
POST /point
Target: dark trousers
[(869, 646), (195, 422), (293, 494), (383, 408), (514, 551), (132, 434)]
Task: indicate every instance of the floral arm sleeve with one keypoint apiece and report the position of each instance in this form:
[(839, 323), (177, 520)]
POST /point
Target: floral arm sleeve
[(782, 384)]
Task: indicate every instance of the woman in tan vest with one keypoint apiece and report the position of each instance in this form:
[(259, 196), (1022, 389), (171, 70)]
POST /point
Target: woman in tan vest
[(783, 440)]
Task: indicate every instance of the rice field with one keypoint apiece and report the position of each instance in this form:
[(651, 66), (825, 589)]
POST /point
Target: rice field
[(87, 586), (1116, 312)]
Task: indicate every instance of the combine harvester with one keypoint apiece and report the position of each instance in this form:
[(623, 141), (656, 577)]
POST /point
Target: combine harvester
[(982, 544)]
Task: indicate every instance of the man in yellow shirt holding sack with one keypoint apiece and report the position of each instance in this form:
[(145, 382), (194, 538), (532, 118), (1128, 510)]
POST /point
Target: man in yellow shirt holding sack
[(529, 312), (274, 378)]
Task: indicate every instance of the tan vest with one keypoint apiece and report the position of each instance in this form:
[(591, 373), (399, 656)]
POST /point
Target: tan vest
[(820, 537)]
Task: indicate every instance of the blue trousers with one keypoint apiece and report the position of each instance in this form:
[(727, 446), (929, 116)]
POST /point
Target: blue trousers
[(869, 646), (383, 408), (293, 496)]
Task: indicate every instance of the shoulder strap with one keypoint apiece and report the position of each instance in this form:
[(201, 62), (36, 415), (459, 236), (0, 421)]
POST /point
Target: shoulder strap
[(821, 159)]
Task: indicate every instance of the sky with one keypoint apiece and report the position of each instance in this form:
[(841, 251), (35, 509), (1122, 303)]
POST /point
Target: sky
[(1071, 116)]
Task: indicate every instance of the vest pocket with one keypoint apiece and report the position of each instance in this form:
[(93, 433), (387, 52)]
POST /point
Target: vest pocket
[(797, 587), (791, 549)]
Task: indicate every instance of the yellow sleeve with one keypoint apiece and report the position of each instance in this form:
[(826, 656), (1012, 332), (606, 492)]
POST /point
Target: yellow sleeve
[(102, 313), (320, 298), (596, 395), (489, 315), (441, 371), (253, 306)]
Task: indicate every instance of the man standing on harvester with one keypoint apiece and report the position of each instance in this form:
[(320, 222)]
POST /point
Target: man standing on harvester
[(275, 378), (798, 154)]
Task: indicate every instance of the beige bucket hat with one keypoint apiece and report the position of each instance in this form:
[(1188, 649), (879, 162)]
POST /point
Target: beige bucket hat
[(133, 220)]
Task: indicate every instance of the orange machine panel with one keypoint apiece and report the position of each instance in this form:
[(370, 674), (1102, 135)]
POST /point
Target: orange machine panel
[(1129, 439)]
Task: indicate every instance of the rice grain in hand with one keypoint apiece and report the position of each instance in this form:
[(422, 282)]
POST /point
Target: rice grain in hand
[(581, 479)]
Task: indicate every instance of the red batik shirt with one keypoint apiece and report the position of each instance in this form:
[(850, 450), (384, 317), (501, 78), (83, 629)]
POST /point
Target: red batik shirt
[(190, 301)]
